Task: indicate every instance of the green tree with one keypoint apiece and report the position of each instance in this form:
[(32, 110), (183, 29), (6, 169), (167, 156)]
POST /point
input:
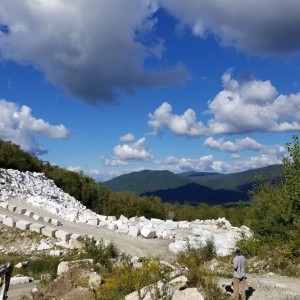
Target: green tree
[(12, 157), (291, 170), (276, 209), (271, 212)]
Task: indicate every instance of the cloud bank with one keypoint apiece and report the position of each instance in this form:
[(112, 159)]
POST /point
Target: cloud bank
[(96, 50), (240, 108), (254, 26), (93, 49), (19, 126)]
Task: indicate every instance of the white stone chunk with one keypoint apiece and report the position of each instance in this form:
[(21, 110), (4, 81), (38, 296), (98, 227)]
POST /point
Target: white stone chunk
[(2, 217), (4, 205), (37, 217), (9, 222), (47, 219), (134, 231), (123, 228), (55, 222), (76, 236), (11, 207), (36, 227), (111, 218), (112, 226), (63, 267), (148, 233), (20, 280), (183, 224), (177, 284), (102, 218), (29, 213), (171, 224), (145, 221), (22, 224), (93, 222), (43, 246), (123, 219), (48, 231), (133, 221), (20, 211), (63, 235)]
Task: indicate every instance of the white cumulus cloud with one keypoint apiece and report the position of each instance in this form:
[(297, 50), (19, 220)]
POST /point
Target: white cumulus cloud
[(133, 151), (185, 124), (19, 126), (229, 146), (254, 106), (125, 153), (93, 49), (127, 137), (241, 107)]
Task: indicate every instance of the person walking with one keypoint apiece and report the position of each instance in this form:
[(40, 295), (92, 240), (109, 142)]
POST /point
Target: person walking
[(239, 275)]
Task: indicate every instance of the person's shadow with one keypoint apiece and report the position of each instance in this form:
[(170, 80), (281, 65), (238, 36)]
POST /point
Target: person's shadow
[(249, 291)]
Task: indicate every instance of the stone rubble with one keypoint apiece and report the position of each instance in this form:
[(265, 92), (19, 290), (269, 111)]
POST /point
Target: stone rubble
[(38, 190)]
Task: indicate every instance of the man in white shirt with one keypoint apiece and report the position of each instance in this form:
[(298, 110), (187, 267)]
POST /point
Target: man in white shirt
[(239, 275)]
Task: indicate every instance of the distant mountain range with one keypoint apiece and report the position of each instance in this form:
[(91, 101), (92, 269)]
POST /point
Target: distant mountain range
[(194, 187)]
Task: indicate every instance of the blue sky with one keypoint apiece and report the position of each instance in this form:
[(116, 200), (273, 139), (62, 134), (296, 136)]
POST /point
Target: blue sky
[(110, 87)]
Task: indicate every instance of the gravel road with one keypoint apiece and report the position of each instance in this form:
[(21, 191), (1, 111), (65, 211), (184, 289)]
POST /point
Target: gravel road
[(139, 246)]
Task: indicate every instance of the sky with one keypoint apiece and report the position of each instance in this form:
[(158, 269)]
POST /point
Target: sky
[(108, 87)]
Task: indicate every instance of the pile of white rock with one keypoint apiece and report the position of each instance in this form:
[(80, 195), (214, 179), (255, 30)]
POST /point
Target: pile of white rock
[(36, 189)]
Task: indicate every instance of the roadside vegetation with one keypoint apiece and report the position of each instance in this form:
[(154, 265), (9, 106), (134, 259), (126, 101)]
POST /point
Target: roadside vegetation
[(274, 218)]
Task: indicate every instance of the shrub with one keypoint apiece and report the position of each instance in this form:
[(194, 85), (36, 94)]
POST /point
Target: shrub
[(101, 252), (124, 279), (250, 246), (194, 260)]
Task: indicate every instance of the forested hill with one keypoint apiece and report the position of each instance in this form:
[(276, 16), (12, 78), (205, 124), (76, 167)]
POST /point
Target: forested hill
[(194, 187)]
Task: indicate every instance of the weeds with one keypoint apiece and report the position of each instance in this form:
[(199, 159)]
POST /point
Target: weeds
[(195, 261), (125, 279), (101, 252)]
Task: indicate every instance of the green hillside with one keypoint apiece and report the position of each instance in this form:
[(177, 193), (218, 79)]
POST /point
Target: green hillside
[(194, 187), (240, 181), (146, 181)]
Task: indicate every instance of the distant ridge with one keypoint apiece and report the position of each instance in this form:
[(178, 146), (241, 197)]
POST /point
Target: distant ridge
[(194, 187), (146, 181)]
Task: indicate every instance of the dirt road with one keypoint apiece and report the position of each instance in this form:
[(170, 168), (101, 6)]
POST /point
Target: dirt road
[(270, 286), (133, 246)]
